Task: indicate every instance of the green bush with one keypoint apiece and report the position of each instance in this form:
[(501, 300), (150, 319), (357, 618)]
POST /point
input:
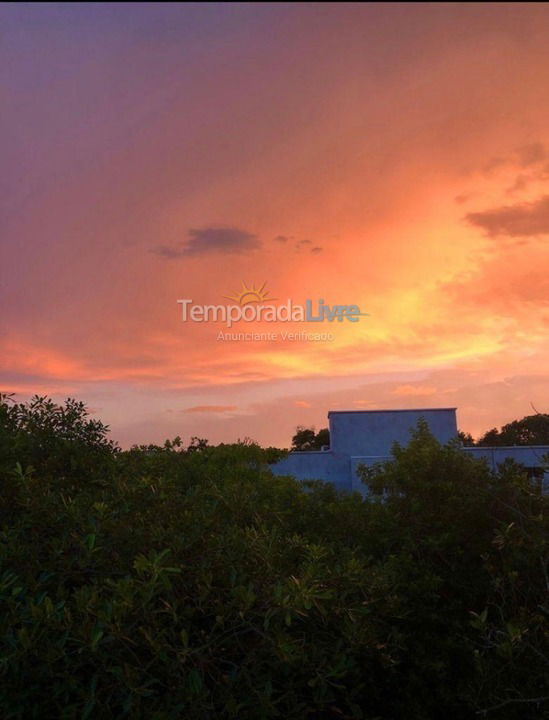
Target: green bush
[(165, 582)]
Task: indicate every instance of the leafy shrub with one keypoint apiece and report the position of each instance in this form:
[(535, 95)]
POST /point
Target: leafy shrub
[(58, 441)]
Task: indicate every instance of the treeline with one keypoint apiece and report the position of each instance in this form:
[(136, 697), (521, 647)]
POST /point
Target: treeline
[(186, 581), (531, 430)]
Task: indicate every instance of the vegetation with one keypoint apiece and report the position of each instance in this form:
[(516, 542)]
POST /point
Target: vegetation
[(466, 439), (306, 439), (531, 430), (170, 582)]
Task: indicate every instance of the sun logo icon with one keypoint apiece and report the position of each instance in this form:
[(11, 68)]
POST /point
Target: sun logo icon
[(247, 295)]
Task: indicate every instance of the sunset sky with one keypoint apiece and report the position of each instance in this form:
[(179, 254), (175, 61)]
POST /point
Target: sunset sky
[(391, 156)]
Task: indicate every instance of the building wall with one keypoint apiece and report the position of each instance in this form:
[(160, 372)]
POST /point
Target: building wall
[(327, 466), (374, 432)]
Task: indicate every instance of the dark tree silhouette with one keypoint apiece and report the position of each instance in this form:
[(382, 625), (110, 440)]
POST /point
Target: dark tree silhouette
[(531, 430), (466, 438), (305, 439)]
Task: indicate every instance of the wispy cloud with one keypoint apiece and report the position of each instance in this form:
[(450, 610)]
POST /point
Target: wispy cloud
[(414, 390), (524, 156), (211, 409)]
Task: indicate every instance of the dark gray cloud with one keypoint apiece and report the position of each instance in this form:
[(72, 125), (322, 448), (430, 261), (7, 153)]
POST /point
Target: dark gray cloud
[(204, 241), (305, 245), (523, 219), (308, 246)]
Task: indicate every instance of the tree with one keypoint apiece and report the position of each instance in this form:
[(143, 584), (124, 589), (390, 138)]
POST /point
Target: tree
[(305, 439), (323, 438), (531, 430), (197, 444), (466, 439)]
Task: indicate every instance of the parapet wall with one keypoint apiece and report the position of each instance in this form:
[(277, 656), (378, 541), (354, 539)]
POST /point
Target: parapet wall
[(374, 432)]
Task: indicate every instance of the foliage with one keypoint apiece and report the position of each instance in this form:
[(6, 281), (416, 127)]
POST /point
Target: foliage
[(56, 441), (466, 438), (173, 583), (531, 430), (306, 439)]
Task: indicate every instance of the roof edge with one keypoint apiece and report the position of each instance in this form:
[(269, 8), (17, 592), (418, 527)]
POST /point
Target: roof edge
[(399, 410)]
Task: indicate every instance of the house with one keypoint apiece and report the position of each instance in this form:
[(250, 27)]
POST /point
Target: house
[(365, 437)]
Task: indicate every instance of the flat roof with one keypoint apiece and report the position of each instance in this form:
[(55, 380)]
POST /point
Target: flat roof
[(365, 412)]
